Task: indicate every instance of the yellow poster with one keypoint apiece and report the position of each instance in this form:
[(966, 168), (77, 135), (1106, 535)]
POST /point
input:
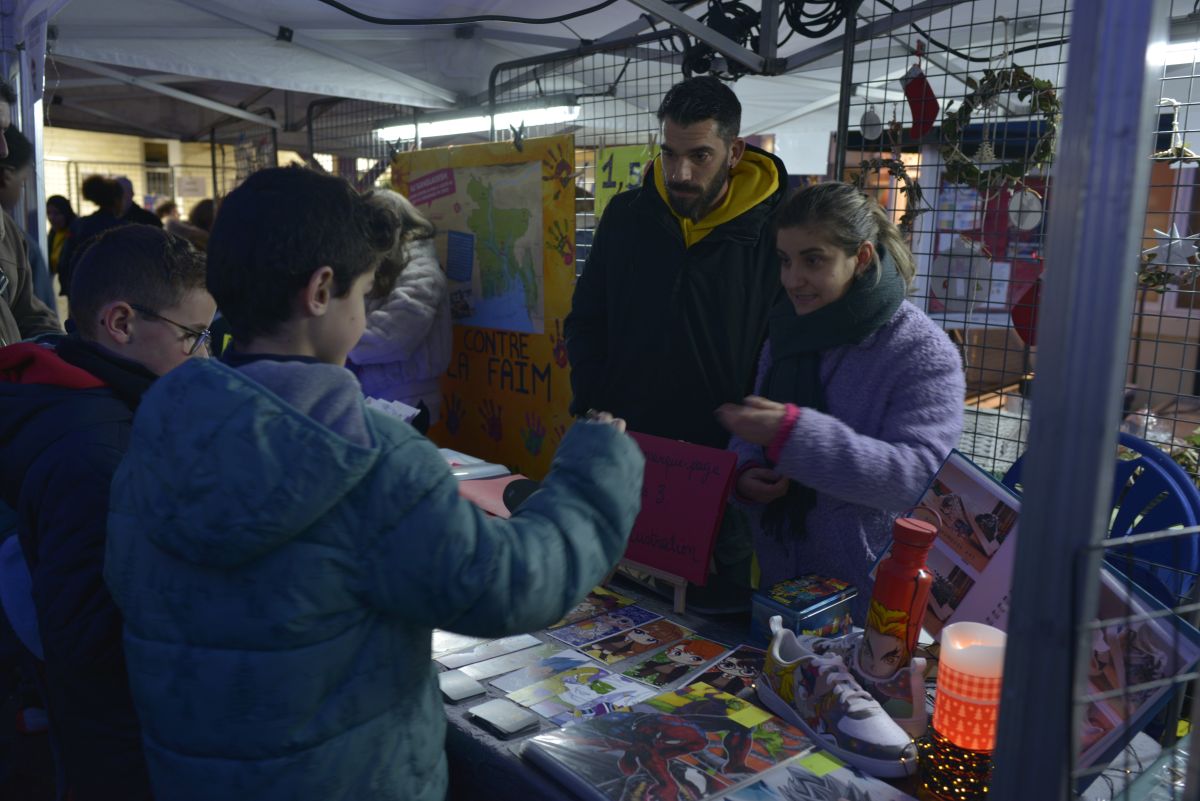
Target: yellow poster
[(506, 237), (620, 168)]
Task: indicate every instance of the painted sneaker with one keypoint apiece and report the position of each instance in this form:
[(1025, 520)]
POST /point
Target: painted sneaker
[(906, 685), (817, 693)]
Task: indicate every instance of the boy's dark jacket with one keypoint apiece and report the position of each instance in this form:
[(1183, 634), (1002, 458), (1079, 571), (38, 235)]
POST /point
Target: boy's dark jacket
[(65, 416)]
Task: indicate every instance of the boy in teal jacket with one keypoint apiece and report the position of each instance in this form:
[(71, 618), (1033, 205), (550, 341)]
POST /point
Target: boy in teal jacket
[(280, 552)]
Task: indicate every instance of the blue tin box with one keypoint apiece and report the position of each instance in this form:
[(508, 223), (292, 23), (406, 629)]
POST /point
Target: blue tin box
[(808, 605)]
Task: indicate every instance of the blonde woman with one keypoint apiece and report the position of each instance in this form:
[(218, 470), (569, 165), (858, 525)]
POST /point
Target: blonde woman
[(406, 345)]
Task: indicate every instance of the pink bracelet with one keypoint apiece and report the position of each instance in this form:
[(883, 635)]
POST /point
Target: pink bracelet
[(775, 448)]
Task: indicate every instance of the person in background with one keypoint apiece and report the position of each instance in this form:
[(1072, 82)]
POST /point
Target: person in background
[(203, 214), (140, 309), (22, 314), (107, 195), (60, 215), (15, 170), (168, 212), (671, 309), (281, 552), (670, 312), (406, 345), (859, 395), (131, 212)]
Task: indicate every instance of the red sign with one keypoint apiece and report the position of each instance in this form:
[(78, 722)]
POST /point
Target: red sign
[(683, 501), (429, 188)]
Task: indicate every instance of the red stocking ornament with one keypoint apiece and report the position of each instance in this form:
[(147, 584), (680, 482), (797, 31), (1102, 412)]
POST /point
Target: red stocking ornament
[(921, 102)]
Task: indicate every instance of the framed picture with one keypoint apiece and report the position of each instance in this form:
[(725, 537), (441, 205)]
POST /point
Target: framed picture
[(1134, 647), (971, 560)]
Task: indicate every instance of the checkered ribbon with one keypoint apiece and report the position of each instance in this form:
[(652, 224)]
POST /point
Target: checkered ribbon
[(966, 708), (969, 688)]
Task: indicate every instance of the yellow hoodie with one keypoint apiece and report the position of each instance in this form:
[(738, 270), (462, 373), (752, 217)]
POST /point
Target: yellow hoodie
[(752, 181)]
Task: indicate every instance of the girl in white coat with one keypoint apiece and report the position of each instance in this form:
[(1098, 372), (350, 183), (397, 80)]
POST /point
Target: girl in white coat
[(406, 345)]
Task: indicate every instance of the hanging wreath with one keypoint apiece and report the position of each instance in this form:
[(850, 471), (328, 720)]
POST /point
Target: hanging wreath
[(960, 169), (909, 187)]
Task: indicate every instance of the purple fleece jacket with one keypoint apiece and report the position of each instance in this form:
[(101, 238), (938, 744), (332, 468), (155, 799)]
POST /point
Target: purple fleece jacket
[(895, 408)]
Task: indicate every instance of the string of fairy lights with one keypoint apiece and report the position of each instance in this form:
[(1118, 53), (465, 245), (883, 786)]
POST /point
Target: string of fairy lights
[(952, 773)]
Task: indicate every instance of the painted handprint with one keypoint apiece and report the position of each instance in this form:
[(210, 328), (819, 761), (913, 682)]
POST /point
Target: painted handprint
[(562, 241), (490, 411), (534, 433), (455, 412), (560, 345), (560, 169)]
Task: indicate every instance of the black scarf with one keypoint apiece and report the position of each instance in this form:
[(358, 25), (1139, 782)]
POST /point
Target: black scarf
[(797, 342)]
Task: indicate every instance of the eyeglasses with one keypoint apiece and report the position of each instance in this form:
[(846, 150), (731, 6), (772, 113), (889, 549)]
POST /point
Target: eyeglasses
[(199, 338)]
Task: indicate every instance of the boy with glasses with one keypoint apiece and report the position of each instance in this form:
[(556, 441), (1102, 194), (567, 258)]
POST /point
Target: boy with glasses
[(281, 552), (66, 410)]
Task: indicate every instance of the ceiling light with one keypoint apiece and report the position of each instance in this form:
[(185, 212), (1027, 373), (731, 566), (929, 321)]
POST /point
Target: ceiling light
[(548, 110)]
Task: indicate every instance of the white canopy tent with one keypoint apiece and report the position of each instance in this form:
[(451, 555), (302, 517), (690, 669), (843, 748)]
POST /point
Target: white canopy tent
[(174, 68)]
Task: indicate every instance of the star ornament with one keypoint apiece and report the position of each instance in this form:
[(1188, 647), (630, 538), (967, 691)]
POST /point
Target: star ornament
[(1173, 251)]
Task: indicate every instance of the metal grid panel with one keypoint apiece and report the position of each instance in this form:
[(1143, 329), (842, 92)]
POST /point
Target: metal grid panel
[(976, 256), (1164, 360), (343, 138), (1142, 674), (619, 90)]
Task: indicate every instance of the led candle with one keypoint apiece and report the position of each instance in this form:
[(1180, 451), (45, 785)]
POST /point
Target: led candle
[(968, 685)]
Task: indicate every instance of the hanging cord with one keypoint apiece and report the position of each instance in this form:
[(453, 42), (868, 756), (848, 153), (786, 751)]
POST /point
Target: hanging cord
[(463, 20), (734, 20), (814, 18), (967, 56)]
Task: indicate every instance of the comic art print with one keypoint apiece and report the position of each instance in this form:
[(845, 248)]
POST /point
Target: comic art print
[(677, 661), (589, 631), (972, 558), (583, 697), (598, 602), (691, 752), (635, 641), (736, 672), (565, 685), (545, 667), (816, 776)]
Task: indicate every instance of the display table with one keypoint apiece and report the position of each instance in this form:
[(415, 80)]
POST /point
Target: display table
[(483, 766)]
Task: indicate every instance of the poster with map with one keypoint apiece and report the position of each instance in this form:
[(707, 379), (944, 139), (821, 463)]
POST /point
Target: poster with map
[(490, 220), (506, 238)]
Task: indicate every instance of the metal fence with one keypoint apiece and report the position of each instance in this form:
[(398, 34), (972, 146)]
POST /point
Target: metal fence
[(186, 185)]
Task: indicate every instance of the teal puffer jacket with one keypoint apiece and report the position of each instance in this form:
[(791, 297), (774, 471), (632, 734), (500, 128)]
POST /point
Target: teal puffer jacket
[(279, 583)]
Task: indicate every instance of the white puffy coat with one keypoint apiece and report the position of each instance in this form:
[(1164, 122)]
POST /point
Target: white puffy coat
[(406, 345)]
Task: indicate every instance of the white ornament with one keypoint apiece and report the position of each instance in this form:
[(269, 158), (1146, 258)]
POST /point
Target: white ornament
[(1025, 210), (870, 124), (986, 154), (1173, 252)]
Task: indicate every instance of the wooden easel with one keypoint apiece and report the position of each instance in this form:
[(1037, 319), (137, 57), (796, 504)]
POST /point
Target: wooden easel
[(677, 582)]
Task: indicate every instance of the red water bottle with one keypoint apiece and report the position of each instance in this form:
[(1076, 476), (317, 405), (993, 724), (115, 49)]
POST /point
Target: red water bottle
[(898, 602)]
